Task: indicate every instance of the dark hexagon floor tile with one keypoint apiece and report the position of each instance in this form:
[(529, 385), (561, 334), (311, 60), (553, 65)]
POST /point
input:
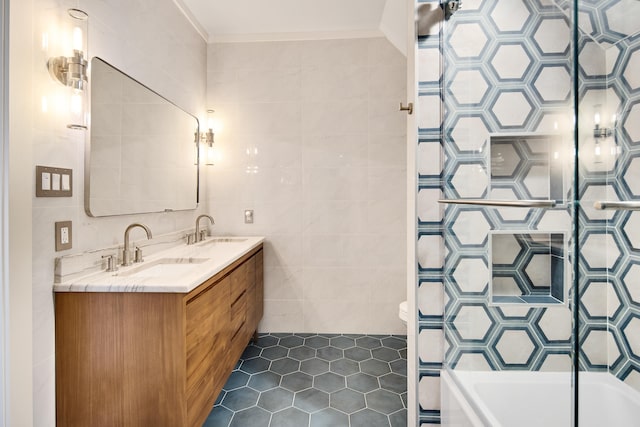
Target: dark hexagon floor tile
[(342, 342), (236, 379), (240, 399), (285, 366), (399, 419), (251, 351), (302, 353), (221, 396), (399, 366), (382, 353), (311, 400), (275, 399), (344, 367), (314, 366), (394, 382), (291, 341), (403, 353), (368, 342), (395, 343), (297, 381), (329, 353), (254, 417), (264, 381), (329, 382), (369, 418), (347, 401), (218, 417), (405, 400), (329, 418), (275, 352), (255, 365), (375, 367), (363, 382), (290, 417), (266, 341), (316, 342), (358, 354), (384, 401)]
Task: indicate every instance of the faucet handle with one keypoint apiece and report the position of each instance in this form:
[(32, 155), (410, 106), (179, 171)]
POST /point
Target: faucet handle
[(191, 238), (203, 235), (138, 255), (111, 262)]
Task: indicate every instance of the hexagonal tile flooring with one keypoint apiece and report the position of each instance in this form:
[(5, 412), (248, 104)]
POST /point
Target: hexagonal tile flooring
[(316, 380)]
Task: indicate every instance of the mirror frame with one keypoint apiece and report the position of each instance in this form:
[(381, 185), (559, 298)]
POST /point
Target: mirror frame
[(87, 154)]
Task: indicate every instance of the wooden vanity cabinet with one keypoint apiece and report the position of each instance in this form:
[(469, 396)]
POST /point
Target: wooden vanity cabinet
[(153, 359)]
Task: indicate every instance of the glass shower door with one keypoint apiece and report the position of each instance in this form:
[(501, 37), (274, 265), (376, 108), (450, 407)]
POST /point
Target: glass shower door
[(608, 330), (508, 209)]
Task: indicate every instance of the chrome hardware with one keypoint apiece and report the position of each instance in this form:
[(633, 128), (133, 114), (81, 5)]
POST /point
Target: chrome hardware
[(112, 264), (191, 238), (201, 235), (408, 108), (606, 205), (501, 203), (137, 257), (126, 252)]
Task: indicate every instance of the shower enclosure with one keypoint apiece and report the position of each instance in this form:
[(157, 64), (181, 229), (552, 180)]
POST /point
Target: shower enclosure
[(541, 199)]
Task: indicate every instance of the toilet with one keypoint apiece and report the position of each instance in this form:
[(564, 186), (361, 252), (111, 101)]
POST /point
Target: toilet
[(402, 311)]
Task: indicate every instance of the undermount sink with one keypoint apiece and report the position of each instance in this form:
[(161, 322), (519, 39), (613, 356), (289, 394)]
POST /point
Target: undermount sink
[(163, 267)]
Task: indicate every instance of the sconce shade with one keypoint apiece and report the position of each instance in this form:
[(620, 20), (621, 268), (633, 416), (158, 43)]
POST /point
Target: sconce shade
[(71, 70)]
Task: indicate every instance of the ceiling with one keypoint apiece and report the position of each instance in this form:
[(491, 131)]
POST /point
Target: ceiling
[(233, 20)]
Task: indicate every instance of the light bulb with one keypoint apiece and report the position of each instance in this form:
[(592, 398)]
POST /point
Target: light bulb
[(597, 150), (596, 119), (77, 39), (76, 103)]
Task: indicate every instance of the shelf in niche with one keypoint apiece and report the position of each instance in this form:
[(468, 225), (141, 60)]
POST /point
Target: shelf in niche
[(527, 167), (528, 267)]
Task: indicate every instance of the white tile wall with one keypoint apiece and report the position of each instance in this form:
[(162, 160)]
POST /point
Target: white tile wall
[(153, 42), (313, 141)]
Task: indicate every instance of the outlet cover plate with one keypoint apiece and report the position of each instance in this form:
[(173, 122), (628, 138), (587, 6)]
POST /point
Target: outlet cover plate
[(59, 232)]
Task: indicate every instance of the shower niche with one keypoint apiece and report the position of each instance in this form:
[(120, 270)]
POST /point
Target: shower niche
[(528, 267), (527, 167)]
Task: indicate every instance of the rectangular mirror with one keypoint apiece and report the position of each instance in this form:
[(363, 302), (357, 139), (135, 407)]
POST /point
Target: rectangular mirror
[(141, 156)]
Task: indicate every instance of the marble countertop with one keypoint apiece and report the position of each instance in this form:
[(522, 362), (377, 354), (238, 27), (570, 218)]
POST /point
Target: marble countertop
[(179, 269)]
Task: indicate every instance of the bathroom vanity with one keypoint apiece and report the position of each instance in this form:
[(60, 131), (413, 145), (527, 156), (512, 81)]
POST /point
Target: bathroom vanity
[(134, 349)]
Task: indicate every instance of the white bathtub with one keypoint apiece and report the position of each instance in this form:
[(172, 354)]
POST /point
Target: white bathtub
[(534, 399)]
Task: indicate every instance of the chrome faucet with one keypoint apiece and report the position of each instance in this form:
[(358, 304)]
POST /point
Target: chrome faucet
[(200, 235), (126, 252)]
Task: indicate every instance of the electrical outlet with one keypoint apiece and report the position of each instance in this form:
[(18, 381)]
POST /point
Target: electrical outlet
[(248, 216), (63, 235)]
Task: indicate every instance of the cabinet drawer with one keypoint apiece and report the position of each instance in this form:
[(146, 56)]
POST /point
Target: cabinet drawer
[(238, 313), (238, 281)]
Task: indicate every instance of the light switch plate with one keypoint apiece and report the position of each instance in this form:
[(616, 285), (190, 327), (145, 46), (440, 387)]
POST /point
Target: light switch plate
[(64, 237), (54, 182)]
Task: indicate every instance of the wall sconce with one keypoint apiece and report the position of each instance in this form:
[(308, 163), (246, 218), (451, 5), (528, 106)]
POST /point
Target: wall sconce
[(71, 70), (601, 148), (205, 141)]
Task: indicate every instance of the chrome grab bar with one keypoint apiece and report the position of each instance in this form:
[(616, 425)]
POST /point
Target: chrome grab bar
[(606, 205), (501, 203)]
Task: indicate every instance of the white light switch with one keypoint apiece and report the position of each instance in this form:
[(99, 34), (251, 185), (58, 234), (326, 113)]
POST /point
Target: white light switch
[(66, 182), (55, 181), (46, 181)]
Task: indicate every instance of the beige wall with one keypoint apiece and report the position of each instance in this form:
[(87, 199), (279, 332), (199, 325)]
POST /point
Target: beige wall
[(153, 42), (313, 142)]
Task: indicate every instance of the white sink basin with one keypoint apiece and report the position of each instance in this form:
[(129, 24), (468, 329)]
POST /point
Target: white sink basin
[(164, 267)]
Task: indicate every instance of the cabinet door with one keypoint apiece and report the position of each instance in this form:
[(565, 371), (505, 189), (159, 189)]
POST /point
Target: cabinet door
[(206, 344), (259, 278)]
